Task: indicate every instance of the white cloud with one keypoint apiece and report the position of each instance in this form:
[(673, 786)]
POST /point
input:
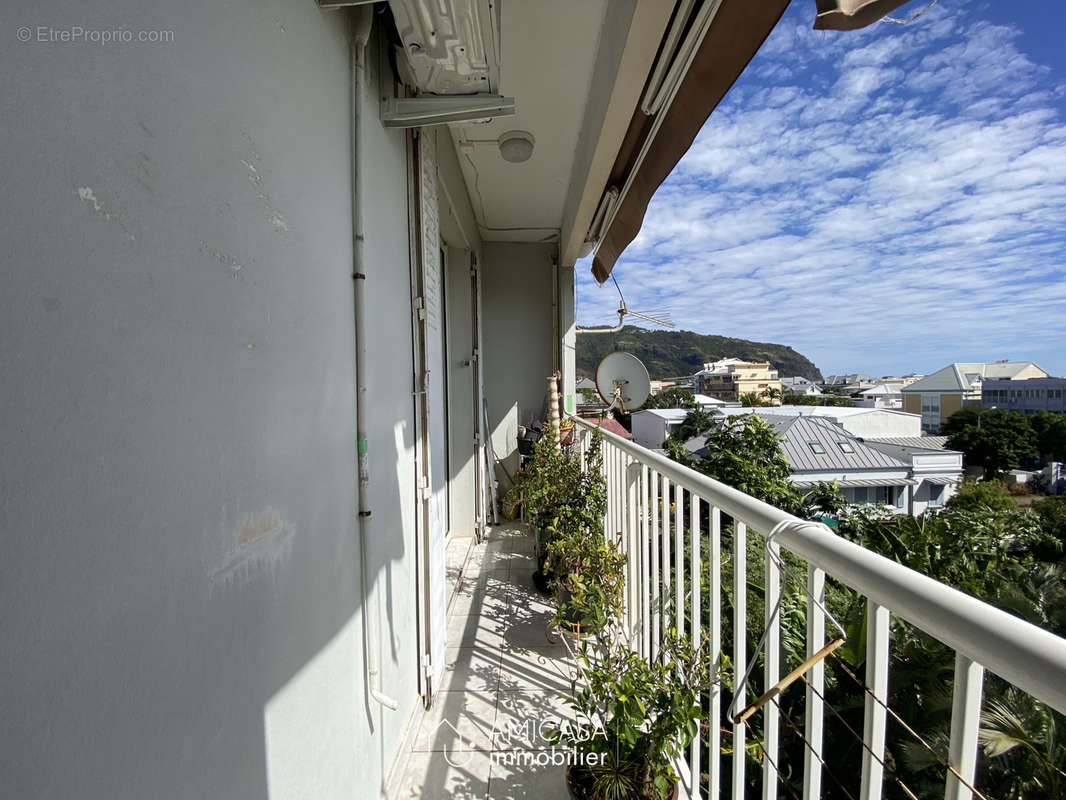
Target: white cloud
[(885, 201)]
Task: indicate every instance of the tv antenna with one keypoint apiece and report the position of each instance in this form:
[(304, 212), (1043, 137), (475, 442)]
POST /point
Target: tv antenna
[(659, 317)]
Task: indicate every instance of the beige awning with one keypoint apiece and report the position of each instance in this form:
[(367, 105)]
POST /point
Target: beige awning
[(737, 32)]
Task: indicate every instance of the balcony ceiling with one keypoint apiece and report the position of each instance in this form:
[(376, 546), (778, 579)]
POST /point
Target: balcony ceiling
[(548, 52)]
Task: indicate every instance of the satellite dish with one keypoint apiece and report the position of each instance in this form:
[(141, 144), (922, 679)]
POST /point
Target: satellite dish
[(622, 381)]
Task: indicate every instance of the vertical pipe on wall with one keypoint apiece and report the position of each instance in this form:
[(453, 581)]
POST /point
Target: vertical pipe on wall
[(361, 24)]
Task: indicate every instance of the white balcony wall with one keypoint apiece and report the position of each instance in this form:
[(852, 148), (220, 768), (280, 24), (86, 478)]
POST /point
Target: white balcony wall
[(518, 340), (180, 579)]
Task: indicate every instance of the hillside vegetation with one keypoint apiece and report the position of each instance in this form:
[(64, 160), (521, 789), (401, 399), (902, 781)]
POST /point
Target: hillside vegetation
[(669, 354)]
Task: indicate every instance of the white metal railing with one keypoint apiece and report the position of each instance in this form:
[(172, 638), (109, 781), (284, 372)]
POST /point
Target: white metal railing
[(643, 485)]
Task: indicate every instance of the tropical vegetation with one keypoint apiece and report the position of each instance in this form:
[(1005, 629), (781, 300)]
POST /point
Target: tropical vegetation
[(1000, 440), (981, 543)]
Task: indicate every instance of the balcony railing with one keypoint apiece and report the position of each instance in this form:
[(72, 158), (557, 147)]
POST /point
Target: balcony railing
[(663, 513)]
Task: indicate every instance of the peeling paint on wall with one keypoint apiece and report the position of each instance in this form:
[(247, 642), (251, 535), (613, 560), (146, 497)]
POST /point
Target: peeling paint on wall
[(100, 209), (223, 258), (260, 543), (273, 216)]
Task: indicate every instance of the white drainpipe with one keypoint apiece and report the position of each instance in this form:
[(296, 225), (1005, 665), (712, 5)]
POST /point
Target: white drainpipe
[(361, 24)]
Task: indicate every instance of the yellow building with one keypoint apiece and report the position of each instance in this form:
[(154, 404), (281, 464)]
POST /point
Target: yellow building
[(939, 395), (731, 378)]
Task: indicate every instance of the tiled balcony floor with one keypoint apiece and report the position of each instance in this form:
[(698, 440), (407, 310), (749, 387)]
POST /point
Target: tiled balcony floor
[(507, 672)]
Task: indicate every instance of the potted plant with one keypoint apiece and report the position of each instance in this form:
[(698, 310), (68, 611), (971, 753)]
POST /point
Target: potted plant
[(550, 483), (638, 716), (589, 571)]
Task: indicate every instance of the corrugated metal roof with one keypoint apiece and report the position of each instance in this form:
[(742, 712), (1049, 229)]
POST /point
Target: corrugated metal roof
[(798, 434), (923, 442)]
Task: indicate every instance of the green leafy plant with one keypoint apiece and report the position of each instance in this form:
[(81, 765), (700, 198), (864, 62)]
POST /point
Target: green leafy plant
[(588, 568), (550, 485), (826, 498), (641, 714), (745, 453)]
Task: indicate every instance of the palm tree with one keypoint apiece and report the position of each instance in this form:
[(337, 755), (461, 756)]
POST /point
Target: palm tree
[(772, 393), (1028, 737)]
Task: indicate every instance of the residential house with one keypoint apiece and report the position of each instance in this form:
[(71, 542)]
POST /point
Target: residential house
[(907, 478), (731, 378), (1027, 395), (653, 426), (849, 379), (940, 394), (706, 402), (936, 470), (801, 386), (883, 395), (658, 386)]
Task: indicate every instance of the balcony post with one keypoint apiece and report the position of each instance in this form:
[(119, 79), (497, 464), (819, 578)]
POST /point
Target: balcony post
[(714, 580), (814, 720), (771, 670), (876, 720), (695, 574), (965, 723), (740, 655), (645, 556), (656, 594)]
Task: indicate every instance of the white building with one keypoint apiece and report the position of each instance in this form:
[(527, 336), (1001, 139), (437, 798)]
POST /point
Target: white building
[(653, 426), (908, 474), (884, 395), (862, 422), (801, 386), (936, 470), (706, 402)]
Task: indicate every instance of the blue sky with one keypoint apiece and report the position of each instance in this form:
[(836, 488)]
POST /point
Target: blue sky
[(885, 201)]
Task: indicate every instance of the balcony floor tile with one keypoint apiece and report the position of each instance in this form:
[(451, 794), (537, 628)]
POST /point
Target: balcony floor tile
[(505, 666)]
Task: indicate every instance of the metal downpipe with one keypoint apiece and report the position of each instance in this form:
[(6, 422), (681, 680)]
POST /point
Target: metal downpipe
[(362, 21)]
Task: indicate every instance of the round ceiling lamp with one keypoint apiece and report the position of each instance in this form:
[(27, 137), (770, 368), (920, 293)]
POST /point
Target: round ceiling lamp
[(516, 146)]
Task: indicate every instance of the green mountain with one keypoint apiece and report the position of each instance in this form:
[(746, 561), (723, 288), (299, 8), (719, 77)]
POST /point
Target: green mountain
[(670, 354)]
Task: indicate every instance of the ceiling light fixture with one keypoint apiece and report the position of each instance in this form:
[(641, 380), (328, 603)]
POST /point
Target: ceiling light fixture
[(516, 146)]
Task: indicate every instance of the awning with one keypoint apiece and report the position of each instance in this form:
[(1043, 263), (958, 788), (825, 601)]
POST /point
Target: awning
[(647, 156), (940, 480), (859, 482)]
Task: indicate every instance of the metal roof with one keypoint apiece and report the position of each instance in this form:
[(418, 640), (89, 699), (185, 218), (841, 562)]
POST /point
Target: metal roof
[(852, 483), (920, 442), (959, 377), (941, 480), (669, 414), (800, 432), (707, 400), (810, 411)]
